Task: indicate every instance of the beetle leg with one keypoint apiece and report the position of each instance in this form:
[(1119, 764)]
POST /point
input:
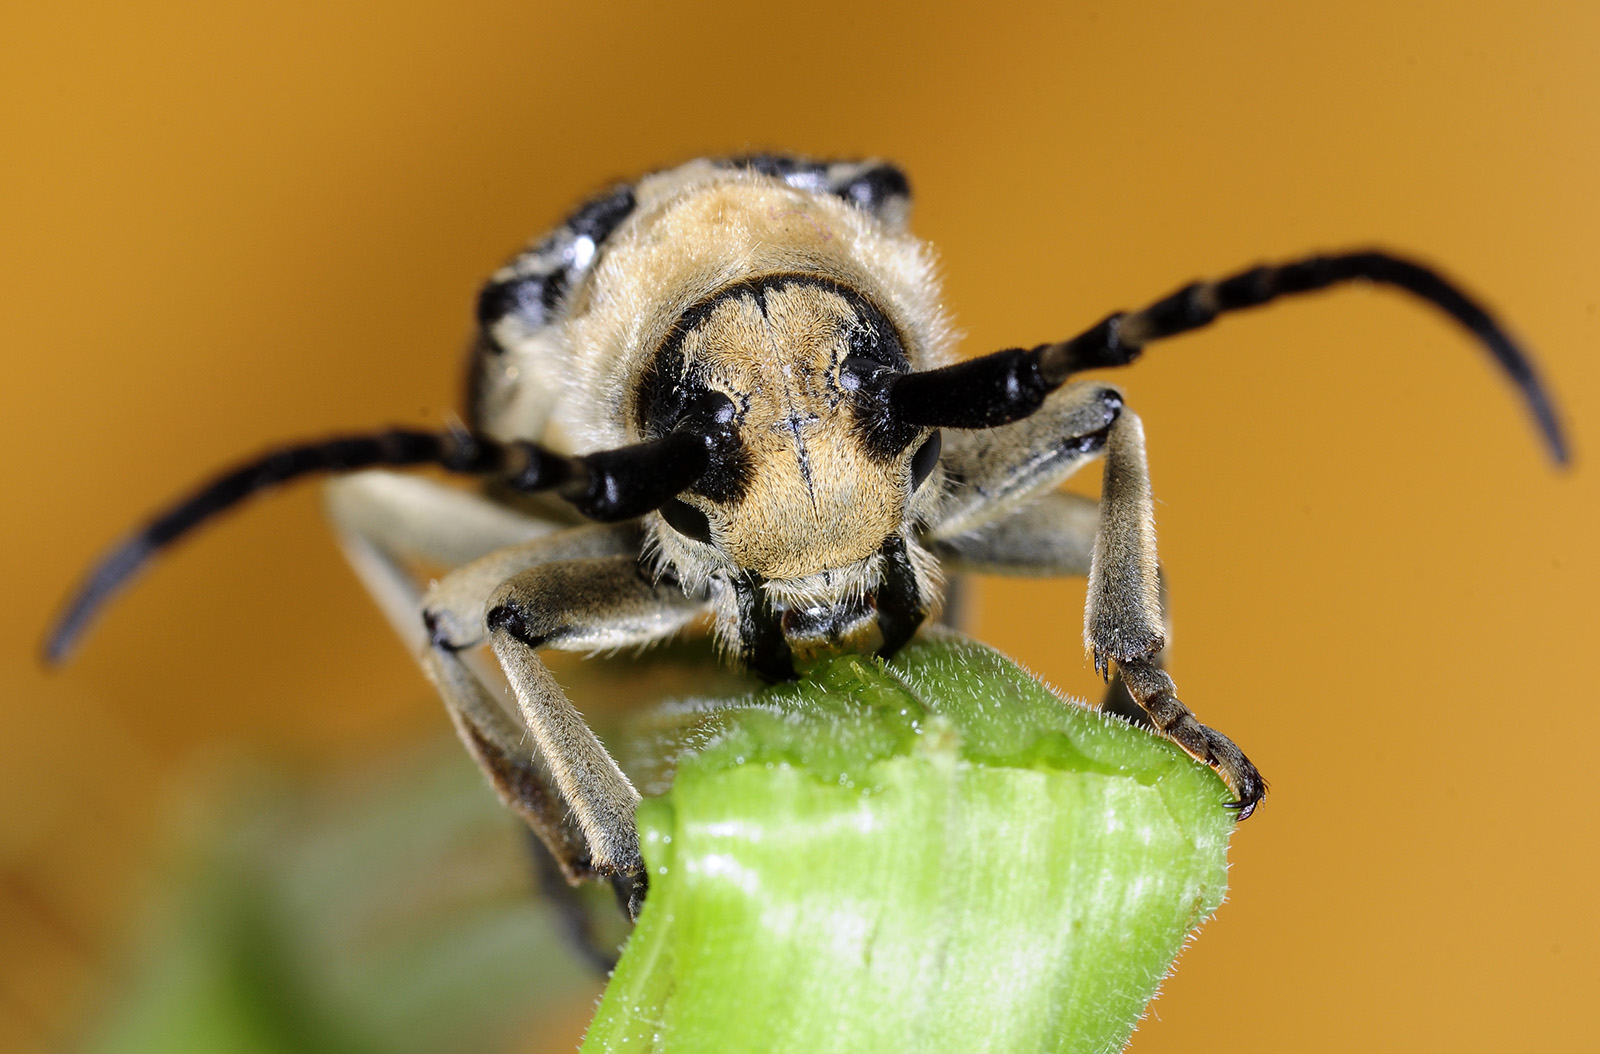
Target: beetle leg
[(518, 774), (1053, 534), (1005, 517), (582, 606), (385, 521), (993, 473), (1123, 622), (1118, 699), (450, 620), (577, 601)]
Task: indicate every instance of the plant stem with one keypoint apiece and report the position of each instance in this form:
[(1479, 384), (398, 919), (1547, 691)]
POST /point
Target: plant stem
[(933, 854)]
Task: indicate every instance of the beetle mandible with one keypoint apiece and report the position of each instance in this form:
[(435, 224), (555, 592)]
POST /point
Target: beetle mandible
[(741, 371)]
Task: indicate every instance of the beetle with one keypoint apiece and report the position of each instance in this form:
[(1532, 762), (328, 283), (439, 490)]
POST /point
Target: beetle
[(740, 374)]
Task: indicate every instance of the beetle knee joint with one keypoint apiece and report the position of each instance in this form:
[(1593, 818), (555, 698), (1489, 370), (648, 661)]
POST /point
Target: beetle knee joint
[(512, 619)]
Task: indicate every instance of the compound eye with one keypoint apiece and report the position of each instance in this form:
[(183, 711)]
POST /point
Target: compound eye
[(687, 520), (924, 459)]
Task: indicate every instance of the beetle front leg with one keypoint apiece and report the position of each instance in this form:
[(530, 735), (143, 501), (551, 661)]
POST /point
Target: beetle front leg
[(496, 743), (1123, 623), (584, 604), (386, 522)]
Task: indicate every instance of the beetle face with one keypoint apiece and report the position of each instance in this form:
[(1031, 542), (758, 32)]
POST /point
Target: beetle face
[(806, 488)]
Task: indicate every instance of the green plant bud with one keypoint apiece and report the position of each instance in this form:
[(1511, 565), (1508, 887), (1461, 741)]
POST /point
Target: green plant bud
[(932, 854)]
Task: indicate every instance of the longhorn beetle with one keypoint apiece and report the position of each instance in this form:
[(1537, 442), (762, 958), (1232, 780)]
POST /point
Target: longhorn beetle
[(742, 371)]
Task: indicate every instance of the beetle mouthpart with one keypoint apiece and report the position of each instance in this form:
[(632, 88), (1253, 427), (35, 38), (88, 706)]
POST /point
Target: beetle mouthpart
[(826, 629)]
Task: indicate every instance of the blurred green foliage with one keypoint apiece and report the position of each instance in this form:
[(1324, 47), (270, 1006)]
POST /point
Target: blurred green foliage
[(391, 910)]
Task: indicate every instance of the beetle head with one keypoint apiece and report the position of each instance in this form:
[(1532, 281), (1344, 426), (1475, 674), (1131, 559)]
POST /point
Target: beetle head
[(806, 481)]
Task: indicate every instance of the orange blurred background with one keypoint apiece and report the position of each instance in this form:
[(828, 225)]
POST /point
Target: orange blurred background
[(230, 224)]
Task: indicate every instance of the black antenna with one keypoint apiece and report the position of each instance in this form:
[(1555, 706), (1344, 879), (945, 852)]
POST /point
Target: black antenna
[(1009, 385), (610, 485)]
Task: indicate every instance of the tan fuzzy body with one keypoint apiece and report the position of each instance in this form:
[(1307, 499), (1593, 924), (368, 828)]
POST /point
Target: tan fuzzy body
[(699, 229)]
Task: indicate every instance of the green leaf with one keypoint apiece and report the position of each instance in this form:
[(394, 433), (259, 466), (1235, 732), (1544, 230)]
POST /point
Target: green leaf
[(937, 854)]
